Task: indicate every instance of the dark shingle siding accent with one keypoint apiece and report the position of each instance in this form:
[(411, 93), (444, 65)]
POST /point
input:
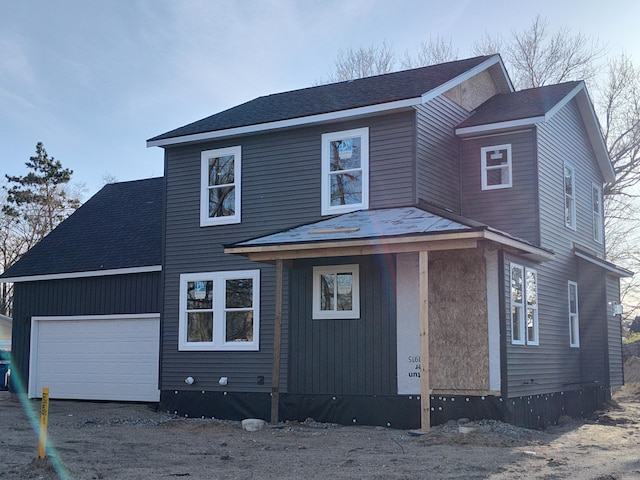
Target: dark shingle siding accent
[(329, 98), (119, 227)]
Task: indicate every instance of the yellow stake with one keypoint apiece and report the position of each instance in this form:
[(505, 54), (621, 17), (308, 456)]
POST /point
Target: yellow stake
[(44, 418)]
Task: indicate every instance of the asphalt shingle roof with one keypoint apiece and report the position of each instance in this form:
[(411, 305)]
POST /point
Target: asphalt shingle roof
[(533, 102), (333, 97), (119, 227)]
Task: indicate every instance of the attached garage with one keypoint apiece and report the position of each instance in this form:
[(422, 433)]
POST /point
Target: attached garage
[(108, 357), (87, 300)]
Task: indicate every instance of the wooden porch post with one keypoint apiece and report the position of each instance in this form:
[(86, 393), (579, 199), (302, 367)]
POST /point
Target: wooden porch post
[(425, 397), (277, 339)]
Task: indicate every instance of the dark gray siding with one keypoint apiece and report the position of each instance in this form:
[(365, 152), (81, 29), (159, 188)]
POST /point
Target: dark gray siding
[(438, 155), (614, 333), (554, 365), (280, 189), (564, 139), (513, 210), (110, 295), (347, 357), (592, 302)]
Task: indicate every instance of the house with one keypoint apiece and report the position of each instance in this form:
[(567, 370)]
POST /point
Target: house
[(86, 309), (5, 332), (397, 250)]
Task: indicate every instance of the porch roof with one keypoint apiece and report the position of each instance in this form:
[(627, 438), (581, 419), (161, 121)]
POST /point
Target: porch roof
[(369, 232), (608, 266)]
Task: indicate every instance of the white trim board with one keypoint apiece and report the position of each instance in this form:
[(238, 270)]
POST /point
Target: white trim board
[(93, 273)]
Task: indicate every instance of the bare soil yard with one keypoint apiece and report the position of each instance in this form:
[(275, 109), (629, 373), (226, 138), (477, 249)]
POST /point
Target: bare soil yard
[(90, 440)]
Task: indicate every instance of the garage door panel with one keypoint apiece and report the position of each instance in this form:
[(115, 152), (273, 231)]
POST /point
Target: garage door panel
[(96, 358)]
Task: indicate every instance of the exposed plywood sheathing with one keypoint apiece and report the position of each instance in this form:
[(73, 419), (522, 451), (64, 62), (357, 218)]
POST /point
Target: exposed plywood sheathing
[(459, 352), (473, 92)]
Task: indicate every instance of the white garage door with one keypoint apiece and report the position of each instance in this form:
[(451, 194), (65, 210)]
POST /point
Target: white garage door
[(112, 357)]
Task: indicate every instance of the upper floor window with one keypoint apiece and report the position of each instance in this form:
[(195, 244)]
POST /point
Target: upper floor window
[(524, 305), (569, 196), (336, 292), (596, 201), (574, 327), (345, 171), (496, 167), (220, 186), (219, 310)]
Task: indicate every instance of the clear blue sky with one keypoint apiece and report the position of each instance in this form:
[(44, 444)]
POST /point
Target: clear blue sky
[(94, 79)]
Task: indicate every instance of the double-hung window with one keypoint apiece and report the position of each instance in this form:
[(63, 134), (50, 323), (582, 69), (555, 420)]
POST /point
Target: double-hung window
[(345, 171), (496, 167), (596, 201), (574, 327), (569, 196), (220, 195), (336, 292), (219, 310), (524, 306)]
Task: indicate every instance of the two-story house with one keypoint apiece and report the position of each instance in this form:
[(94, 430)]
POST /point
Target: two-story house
[(396, 250), (378, 251)]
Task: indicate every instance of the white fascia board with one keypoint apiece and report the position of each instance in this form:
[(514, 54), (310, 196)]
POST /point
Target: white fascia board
[(477, 129), (94, 273), (592, 126), (431, 94), (595, 135), (620, 272), (556, 108), (293, 122)]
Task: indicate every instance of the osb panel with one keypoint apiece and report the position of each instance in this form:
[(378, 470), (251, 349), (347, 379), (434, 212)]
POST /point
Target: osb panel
[(473, 92), (458, 335)]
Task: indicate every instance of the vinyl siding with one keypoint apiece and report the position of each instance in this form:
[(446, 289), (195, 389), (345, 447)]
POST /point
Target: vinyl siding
[(110, 295), (513, 210), (614, 333), (346, 357), (280, 189), (554, 365), (438, 155)]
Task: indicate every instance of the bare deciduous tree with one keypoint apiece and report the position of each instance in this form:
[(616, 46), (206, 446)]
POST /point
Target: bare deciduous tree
[(536, 57), (363, 62), (436, 50)]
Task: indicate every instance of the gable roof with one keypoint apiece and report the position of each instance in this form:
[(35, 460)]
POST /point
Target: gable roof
[(536, 105), (353, 97), (118, 229)]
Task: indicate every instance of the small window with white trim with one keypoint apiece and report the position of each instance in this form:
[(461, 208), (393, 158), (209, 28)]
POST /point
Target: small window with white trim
[(219, 310), (336, 292), (569, 196), (220, 196), (598, 224), (574, 325), (524, 306), (345, 171), (496, 167)]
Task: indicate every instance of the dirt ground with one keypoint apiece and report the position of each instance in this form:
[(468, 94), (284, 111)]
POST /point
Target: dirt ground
[(92, 440)]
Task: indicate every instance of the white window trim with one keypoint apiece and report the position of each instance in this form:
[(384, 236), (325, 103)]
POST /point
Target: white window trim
[(524, 307), (218, 343), (205, 220), (484, 167), (574, 317), (534, 308), (326, 207), (598, 228), (572, 223), (354, 270)]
